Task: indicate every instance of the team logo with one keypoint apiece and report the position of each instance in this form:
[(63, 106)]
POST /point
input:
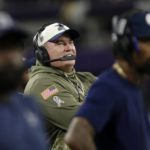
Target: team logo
[(58, 101), (61, 27), (41, 38)]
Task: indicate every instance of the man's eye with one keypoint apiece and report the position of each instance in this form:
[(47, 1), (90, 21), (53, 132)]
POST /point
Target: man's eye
[(71, 42), (59, 43)]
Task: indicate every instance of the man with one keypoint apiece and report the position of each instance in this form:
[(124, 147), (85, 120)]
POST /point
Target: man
[(113, 115), (21, 127), (54, 82)]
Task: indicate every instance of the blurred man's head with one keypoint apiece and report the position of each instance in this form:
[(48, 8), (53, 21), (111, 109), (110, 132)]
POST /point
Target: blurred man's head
[(131, 39), (54, 45), (11, 54)]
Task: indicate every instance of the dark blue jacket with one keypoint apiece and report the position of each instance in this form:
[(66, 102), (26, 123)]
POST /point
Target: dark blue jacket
[(20, 124), (114, 106)]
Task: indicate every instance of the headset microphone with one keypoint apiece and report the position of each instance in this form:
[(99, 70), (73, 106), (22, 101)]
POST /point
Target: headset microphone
[(65, 58)]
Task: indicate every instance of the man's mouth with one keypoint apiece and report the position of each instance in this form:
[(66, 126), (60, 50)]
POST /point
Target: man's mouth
[(68, 55)]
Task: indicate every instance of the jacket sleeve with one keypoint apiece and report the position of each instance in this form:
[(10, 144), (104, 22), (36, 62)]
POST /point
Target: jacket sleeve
[(58, 104)]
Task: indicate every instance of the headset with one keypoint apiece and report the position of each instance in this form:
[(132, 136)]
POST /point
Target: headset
[(123, 41), (40, 51)]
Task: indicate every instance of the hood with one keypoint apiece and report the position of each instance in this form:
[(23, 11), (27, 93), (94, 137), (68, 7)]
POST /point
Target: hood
[(39, 68)]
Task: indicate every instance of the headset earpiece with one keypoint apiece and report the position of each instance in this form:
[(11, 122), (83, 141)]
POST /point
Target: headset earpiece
[(123, 41), (136, 45), (40, 51)]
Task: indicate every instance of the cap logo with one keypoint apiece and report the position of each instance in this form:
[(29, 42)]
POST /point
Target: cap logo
[(147, 18), (60, 27), (41, 38)]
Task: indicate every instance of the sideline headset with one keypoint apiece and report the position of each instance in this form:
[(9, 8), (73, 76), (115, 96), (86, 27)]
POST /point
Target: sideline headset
[(56, 29), (124, 43), (40, 51)]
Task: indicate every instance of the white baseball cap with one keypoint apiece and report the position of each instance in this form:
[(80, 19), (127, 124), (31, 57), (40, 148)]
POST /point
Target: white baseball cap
[(53, 31)]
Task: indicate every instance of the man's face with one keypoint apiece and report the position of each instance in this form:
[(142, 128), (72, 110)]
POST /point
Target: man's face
[(142, 58), (13, 57), (63, 46)]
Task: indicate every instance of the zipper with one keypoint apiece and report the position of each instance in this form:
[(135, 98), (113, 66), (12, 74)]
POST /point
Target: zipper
[(76, 86)]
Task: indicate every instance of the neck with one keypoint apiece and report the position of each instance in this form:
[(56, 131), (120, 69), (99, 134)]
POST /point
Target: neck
[(67, 68), (127, 71)]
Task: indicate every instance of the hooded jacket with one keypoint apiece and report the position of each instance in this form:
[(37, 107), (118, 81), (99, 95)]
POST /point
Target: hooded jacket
[(59, 93)]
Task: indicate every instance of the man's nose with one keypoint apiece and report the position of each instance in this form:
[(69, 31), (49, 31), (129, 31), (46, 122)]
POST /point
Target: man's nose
[(68, 46)]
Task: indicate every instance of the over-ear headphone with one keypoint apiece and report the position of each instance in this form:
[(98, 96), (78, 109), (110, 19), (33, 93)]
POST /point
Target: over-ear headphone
[(124, 43), (40, 51)]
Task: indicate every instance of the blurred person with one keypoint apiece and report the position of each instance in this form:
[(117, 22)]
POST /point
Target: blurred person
[(113, 115), (53, 80), (28, 63), (75, 12), (21, 127)]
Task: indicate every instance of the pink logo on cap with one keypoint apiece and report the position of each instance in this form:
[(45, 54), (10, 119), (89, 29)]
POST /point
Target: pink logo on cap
[(41, 38)]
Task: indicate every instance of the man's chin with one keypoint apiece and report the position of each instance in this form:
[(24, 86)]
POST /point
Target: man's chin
[(67, 67), (69, 62)]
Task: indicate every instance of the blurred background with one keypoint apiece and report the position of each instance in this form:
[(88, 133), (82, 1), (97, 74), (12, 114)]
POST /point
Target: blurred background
[(92, 18)]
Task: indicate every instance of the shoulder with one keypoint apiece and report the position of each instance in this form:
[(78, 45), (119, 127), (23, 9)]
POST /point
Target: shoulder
[(25, 102), (86, 76), (24, 99), (110, 77), (108, 83), (40, 82)]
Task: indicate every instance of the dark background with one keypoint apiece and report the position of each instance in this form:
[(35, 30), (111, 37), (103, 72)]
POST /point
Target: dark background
[(92, 18)]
